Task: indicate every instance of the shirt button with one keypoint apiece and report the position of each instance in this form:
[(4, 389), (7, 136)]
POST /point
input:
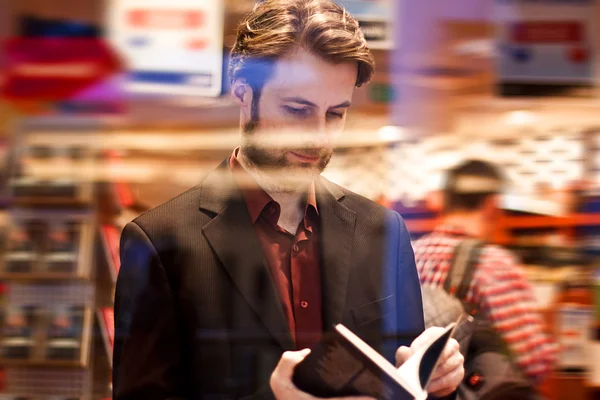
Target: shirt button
[(303, 304), (296, 248)]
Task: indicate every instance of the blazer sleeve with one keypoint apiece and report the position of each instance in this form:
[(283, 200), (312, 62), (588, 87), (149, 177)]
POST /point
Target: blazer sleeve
[(410, 284), (147, 358), (410, 304)]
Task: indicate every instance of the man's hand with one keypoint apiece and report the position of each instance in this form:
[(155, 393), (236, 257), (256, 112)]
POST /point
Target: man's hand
[(281, 379), (450, 370)]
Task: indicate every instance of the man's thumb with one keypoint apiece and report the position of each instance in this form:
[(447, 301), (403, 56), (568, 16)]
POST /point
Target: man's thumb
[(402, 354)]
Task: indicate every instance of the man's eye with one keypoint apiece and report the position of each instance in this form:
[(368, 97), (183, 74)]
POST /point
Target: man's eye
[(301, 112), (335, 114)]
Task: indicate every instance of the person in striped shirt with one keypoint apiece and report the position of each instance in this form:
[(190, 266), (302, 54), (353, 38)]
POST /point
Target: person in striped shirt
[(498, 287)]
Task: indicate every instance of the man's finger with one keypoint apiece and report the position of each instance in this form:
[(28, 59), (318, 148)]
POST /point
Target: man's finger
[(426, 336), (451, 348), (402, 354), (289, 360), (446, 384), (451, 364)]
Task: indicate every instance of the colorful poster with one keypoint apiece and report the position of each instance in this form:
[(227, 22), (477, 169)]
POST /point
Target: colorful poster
[(375, 18), (169, 46), (50, 75), (545, 41)]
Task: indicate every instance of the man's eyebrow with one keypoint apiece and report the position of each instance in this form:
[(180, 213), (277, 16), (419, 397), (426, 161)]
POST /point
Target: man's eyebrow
[(302, 101), (345, 104), (299, 100)]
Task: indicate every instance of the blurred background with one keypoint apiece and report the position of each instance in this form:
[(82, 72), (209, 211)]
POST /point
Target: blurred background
[(111, 107)]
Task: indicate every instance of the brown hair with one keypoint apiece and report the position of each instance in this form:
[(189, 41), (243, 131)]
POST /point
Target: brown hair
[(455, 200), (275, 27)]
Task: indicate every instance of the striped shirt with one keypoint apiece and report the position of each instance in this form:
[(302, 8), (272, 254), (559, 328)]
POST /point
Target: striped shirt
[(500, 290)]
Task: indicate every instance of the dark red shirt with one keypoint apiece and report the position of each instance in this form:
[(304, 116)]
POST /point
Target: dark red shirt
[(293, 259)]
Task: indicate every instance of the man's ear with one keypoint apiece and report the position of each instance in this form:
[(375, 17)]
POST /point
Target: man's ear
[(242, 93)]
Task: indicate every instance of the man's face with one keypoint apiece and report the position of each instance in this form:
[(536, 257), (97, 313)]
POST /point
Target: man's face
[(301, 110)]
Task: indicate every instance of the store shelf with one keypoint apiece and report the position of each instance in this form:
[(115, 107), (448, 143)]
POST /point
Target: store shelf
[(40, 262), (519, 222), (42, 276), (43, 363), (110, 236), (121, 191), (524, 222), (587, 219), (51, 203), (52, 255), (106, 322), (421, 225), (38, 356), (41, 188)]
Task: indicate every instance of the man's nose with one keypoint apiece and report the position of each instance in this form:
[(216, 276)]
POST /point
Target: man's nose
[(317, 134)]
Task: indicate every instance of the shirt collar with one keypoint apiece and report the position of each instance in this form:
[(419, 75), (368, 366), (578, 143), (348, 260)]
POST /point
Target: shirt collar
[(257, 199)]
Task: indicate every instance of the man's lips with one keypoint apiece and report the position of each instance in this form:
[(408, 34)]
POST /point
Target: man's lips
[(304, 157)]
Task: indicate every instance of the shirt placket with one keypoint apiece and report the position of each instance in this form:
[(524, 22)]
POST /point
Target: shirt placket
[(304, 291)]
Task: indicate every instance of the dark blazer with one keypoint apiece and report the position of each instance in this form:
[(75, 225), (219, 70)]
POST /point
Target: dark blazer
[(197, 315)]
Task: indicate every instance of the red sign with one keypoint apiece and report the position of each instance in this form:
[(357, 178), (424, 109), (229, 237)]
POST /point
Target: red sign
[(166, 19), (55, 68), (547, 32), (108, 314), (112, 237), (198, 44)]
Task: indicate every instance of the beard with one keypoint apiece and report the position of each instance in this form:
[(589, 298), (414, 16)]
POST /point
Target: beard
[(275, 158), (272, 164)]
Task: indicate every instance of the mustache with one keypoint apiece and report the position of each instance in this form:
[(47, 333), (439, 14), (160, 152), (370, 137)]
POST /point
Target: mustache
[(310, 152)]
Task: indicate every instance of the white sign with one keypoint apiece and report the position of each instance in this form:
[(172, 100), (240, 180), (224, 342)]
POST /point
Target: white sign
[(545, 41), (375, 18), (170, 46)]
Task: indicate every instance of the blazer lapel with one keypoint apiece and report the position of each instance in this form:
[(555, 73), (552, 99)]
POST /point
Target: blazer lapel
[(337, 226), (233, 239)]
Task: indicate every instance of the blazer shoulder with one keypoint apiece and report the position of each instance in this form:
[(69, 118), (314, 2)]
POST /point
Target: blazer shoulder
[(179, 207), (362, 205)]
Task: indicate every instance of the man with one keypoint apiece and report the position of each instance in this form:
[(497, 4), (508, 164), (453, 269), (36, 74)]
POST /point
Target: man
[(222, 289), (498, 287)]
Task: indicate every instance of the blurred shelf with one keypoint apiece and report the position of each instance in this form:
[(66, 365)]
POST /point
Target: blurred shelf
[(42, 276), (106, 322), (421, 225), (35, 202), (523, 222), (42, 188), (364, 133), (587, 219), (518, 222), (38, 356), (74, 264), (110, 236), (4, 362)]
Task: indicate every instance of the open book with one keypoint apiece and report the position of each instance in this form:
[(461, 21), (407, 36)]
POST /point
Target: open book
[(342, 364)]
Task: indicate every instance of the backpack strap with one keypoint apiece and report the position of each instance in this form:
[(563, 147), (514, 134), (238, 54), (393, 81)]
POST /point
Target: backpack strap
[(462, 268)]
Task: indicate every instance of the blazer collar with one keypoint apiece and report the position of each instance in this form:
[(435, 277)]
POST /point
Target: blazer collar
[(232, 237)]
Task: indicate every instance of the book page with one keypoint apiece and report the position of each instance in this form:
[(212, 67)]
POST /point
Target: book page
[(412, 387), (420, 366)]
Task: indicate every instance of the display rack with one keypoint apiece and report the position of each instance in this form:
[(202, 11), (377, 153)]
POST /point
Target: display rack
[(106, 320), (509, 223), (49, 263), (38, 260), (118, 205)]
